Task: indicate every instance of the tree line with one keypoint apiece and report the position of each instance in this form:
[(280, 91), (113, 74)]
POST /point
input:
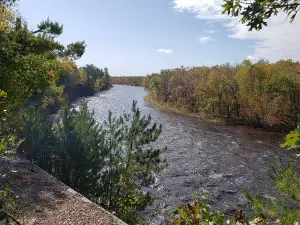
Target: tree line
[(132, 81), (261, 94)]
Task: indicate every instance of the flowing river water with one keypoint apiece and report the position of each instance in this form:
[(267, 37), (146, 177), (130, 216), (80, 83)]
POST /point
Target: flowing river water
[(221, 159)]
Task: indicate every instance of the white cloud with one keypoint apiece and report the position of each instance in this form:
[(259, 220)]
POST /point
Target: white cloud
[(205, 39), (205, 9), (280, 40), (210, 31), (165, 51), (252, 58)]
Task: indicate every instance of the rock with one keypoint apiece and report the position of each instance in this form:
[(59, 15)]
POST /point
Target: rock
[(59, 201), (229, 191), (227, 175)]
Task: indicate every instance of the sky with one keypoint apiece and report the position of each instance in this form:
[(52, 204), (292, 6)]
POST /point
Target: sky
[(140, 37)]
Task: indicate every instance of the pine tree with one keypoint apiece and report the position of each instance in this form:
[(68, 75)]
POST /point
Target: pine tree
[(107, 163)]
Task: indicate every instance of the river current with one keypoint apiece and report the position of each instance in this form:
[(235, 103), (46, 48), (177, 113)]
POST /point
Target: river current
[(223, 160)]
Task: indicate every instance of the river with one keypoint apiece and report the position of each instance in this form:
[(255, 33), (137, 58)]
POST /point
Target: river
[(221, 159)]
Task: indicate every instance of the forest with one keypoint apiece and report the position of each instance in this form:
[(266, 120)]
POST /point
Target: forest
[(261, 94), (125, 80)]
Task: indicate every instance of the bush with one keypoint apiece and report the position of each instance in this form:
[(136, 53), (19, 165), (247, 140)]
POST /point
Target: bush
[(197, 213), (52, 98)]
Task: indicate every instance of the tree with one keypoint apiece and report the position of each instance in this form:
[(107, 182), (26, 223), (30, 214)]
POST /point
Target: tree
[(7, 2), (50, 28), (108, 163), (255, 13), (75, 50), (30, 60), (98, 79)]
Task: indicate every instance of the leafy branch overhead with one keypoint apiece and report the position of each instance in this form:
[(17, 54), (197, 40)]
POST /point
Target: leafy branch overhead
[(292, 141), (7, 2), (255, 13), (75, 50), (31, 60), (48, 27)]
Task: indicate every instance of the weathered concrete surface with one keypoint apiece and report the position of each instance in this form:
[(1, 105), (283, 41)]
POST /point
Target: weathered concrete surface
[(42, 199)]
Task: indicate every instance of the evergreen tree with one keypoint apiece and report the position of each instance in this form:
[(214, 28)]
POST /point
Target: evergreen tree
[(107, 163)]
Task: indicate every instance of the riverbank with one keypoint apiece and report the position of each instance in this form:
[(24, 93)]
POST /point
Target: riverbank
[(166, 107), (71, 93), (169, 108)]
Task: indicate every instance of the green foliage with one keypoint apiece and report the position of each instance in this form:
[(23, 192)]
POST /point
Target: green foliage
[(261, 94), (36, 127), (292, 141), (273, 211), (288, 181), (40, 66), (8, 213), (30, 61), (8, 144), (52, 97), (256, 13), (35, 69), (7, 2), (99, 85), (49, 29), (132, 81), (107, 163), (99, 79), (75, 50), (197, 213)]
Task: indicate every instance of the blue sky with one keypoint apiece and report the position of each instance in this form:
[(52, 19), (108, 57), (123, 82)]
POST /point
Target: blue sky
[(138, 37)]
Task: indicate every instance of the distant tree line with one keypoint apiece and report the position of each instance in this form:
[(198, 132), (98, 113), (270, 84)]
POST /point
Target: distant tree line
[(73, 82), (132, 81), (263, 94)]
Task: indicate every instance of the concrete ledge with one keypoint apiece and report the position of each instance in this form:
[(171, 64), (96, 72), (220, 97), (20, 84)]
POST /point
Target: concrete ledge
[(42, 199)]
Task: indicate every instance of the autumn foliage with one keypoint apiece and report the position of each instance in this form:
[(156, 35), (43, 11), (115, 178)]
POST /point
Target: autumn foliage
[(261, 94)]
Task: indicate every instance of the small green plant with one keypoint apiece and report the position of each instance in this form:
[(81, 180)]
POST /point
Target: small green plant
[(8, 212), (292, 141), (288, 181), (8, 144), (198, 213), (273, 211)]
